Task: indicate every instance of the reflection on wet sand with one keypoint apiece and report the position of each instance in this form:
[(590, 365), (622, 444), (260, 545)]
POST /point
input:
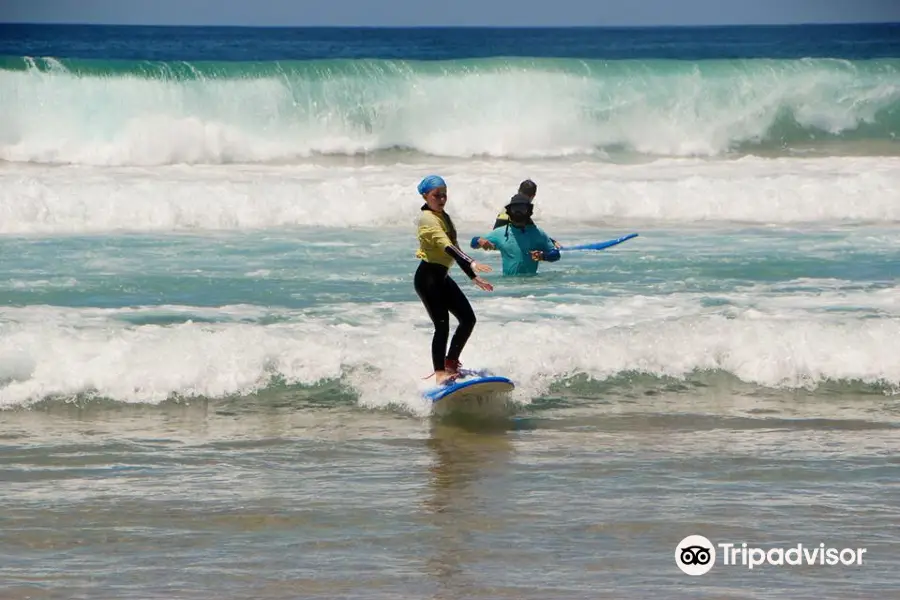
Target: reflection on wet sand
[(469, 465)]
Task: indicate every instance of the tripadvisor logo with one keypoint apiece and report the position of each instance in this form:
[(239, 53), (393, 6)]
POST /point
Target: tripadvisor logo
[(696, 555)]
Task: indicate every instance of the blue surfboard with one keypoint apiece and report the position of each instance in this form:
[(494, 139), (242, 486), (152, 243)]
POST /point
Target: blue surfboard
[(474, 385), (600, 245)]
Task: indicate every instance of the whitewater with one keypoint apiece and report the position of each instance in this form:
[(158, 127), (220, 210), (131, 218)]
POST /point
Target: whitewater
[(210, 228), (144, 284)]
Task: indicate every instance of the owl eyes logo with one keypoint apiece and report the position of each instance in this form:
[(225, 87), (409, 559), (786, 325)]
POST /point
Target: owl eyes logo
[(695, 555)]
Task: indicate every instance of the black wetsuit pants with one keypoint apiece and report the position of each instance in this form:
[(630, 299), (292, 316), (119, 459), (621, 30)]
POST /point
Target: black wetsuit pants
[(442, 297)]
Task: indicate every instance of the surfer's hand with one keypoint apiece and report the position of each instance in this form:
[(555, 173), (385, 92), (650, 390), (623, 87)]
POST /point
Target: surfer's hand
[(486, 286), (480, 268), (557, 245), (537, 255), (485, 244)]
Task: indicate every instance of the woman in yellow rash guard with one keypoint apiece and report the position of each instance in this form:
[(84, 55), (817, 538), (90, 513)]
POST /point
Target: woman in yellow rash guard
[(438, 248)]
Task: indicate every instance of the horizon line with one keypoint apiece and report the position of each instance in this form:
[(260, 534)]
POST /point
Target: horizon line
[(545, 27)]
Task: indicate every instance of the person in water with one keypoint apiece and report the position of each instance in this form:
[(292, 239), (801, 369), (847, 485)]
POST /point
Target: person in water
[(438, 249), (528, 189), (521, 243)]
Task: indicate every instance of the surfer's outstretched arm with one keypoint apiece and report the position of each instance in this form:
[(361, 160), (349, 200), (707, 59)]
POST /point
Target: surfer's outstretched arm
[(432, 235), (465, 262)]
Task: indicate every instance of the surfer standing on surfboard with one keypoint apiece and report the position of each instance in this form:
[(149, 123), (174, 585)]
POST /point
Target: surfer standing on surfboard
[(438, 248)]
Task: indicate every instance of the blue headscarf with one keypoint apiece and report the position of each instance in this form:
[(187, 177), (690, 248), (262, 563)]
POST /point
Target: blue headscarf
[(429, 183)]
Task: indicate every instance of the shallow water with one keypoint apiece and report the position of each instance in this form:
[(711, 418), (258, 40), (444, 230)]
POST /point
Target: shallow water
[(575, 499)]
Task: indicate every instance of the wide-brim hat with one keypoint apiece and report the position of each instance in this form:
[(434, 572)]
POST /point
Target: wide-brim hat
[(519, 199)]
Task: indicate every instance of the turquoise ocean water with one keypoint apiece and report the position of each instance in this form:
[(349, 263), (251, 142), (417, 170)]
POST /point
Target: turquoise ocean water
[(211, 353)]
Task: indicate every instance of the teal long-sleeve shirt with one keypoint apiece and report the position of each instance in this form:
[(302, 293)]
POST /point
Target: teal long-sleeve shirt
[(515, 246)]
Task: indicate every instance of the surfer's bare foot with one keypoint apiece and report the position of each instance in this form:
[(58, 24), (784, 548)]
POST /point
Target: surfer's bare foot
[(442, 376)]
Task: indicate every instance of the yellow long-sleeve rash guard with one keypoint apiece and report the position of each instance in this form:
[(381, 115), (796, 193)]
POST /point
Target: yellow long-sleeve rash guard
[(438, 243)]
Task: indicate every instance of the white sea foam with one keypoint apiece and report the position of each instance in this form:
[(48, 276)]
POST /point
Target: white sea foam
[(678, 191), (381, 351)]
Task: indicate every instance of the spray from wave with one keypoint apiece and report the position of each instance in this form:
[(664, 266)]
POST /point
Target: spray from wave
[(150, 113)]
